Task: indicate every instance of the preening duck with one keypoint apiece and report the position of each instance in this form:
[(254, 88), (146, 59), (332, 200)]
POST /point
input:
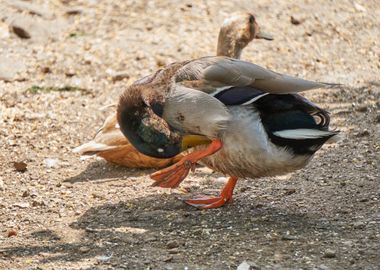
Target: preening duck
[(110, 143), (247, 121)]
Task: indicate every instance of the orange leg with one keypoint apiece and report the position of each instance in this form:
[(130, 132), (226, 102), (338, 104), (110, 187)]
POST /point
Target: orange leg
[(172, 176), (215, 202)]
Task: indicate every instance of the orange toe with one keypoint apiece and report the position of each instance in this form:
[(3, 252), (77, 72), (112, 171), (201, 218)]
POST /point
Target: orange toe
[(207, 203), (172, 176), (202, 200), (215, 202), (170, 179)]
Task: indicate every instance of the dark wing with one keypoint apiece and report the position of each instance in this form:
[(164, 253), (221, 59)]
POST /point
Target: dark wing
[(290, 120), (293, 122)]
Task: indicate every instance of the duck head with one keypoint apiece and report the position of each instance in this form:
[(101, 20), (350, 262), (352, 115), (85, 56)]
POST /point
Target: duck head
[(139, 120), (236, 32)]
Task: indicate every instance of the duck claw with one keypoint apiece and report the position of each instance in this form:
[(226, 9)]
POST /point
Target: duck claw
[(208, 202), (214, 202)]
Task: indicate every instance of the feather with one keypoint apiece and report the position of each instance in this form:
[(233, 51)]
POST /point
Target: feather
[(218, 72), (92, 148), (285, 84), (303, 133), (238, 95)]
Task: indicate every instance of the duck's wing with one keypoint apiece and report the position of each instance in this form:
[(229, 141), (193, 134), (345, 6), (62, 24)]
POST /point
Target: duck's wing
[(225, 82), (212, 74), (202, 88)]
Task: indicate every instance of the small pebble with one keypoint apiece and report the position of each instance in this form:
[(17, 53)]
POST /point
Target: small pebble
[(160, 62), (51, 162), (22, 205), (363, 133), (172, 244), (11, 233), (104, 258), (45, 70), (288, 237), (329, 253), (290, 191), (248, 265), (36, 203), (359, 225), (84, 249), (120, 75), (20, 166), (73, 11), (167, 258), (173, 251), (362, 108), (323, 267), (295, 21)]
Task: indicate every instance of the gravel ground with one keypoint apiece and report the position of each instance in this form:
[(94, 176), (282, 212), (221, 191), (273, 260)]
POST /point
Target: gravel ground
[(62, 60)]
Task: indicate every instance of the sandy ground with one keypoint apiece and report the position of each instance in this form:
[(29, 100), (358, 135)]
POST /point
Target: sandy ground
[(72, 214)]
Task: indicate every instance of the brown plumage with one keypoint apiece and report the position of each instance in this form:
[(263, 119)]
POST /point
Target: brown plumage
[(110, 144)]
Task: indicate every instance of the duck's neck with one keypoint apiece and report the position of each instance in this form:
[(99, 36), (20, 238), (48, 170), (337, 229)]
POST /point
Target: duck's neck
[(228, 46)]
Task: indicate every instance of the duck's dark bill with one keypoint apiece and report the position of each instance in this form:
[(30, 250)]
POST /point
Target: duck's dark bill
[(263, 35)]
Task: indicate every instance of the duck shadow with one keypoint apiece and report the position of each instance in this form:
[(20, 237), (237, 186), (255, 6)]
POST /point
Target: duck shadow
[(101, 170), (159, 228), (141, 232), (105, 171)]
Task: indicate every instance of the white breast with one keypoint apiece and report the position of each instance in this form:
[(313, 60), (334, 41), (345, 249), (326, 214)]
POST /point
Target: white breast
[(247, 151)]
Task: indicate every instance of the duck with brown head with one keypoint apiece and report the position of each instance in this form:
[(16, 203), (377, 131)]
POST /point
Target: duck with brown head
[(109, 142), (236, 33)]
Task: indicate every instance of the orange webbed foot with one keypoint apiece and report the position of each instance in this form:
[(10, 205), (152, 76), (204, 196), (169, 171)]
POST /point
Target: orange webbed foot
[(172, 176), (208, 202), (215, 202)]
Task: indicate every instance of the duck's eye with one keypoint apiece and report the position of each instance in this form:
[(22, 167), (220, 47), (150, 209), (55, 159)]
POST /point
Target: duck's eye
[(251, 19)]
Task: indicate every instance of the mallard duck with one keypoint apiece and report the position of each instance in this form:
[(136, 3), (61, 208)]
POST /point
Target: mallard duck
[(244, 121), (110, 144)]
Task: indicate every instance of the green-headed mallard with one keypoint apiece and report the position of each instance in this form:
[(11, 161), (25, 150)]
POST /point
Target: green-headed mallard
[(247, 121), (110, 144)]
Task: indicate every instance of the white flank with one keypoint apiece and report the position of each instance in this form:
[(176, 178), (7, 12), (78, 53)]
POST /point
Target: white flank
[(302, 133)]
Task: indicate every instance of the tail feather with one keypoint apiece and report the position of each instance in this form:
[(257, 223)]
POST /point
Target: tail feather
[(332, 85), (304, 133), (92, 148)]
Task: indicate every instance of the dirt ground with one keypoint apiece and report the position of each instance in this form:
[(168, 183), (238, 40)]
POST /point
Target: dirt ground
[(67, 213)]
